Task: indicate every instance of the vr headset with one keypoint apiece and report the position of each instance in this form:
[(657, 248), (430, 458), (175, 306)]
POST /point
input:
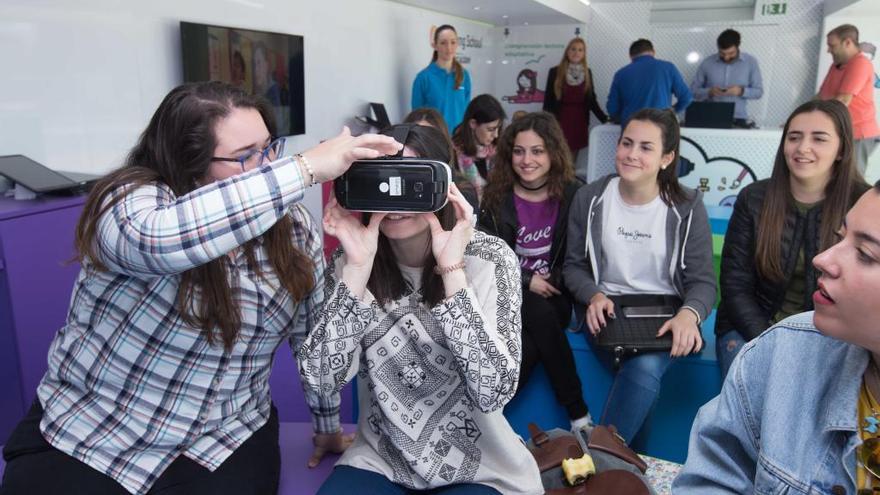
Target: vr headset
[(394, 183)]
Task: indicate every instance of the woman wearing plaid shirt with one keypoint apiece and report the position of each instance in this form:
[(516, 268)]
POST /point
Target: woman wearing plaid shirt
[(197, 261)]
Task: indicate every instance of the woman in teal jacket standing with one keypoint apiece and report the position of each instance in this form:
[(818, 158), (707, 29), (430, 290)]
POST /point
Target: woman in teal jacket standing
[(445, 84)]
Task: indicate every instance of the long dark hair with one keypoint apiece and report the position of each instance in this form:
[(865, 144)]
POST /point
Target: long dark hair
[(483, 109), (502, 177), (456, 65), (386, 281), (671, 191), (777, 200), (175, 150), (435, 118)]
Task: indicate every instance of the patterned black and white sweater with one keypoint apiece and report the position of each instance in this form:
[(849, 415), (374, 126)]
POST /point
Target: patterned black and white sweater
[(432, 382)]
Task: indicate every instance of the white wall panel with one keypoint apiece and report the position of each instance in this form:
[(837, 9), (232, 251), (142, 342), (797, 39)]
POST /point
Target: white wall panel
[(785, 51), (81, 79)]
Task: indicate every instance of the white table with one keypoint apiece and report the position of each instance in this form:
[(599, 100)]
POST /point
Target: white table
[(725, 160)]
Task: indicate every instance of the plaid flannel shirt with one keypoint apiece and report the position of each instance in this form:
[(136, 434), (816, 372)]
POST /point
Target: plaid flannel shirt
[(130, 386)]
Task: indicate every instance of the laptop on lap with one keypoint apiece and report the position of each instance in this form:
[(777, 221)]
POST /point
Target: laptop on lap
[(638, 318)]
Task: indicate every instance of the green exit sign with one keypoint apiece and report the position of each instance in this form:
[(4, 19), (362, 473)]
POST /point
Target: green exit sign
[(775, 8), (772, 11)]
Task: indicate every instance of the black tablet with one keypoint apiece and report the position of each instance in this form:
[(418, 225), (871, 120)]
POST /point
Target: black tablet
[(32, 175)]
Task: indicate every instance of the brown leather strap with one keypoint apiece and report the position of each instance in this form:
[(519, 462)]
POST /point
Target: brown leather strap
[(539, 437), (606, 439)]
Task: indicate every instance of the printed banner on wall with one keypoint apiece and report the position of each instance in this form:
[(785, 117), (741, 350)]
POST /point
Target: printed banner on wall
[(526, 56)]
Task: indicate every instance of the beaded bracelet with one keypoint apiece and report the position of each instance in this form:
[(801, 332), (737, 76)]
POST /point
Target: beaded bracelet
[(308, 167), (443, 270)]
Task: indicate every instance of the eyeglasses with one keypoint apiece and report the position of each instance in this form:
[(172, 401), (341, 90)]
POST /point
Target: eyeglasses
[(255, 158)]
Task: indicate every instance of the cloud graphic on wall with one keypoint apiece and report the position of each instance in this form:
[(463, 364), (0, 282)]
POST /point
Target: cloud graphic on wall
[(719, 178)]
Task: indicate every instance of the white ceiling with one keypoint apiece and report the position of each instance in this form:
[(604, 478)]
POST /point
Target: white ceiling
[(550, 12), (509, 12)]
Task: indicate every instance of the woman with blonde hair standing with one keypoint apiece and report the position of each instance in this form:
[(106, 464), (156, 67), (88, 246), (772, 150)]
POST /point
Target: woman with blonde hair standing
[(571, 96)]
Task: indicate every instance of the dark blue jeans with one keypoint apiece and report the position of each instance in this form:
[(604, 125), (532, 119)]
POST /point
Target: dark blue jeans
[(346, 480), (727, 346), (634, 392)]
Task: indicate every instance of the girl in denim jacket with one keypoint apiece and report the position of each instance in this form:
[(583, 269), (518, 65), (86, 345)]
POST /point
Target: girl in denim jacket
[(798, 411)]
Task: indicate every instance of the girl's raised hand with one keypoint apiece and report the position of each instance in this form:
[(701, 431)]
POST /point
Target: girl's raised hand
[(359, 242), (448, 245)]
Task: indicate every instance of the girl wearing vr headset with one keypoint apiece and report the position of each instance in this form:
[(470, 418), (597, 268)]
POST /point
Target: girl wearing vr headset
[(426, 313)]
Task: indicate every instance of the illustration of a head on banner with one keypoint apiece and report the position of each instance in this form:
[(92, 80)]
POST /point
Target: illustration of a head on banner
[(527, 88), (719, 178)]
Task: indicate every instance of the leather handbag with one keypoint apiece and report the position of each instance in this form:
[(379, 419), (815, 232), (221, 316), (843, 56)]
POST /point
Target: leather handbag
[(632, 334), (549, 453), (619, 470)]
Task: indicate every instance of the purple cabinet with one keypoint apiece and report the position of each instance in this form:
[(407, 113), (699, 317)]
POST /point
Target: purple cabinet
[(36, 280)]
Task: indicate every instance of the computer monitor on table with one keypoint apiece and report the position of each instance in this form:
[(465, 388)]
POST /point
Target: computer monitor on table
[(711, 114)]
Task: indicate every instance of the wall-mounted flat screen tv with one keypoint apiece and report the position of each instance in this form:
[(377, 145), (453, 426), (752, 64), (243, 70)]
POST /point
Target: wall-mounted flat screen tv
[(267, 64)]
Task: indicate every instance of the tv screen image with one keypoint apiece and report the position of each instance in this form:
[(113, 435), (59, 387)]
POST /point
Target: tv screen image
[(261, 63)]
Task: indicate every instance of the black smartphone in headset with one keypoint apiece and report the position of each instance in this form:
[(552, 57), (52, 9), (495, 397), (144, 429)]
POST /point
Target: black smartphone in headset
[(394, 185)]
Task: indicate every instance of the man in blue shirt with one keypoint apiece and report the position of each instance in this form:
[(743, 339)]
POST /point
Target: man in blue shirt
[(646, 83), (729, 76)]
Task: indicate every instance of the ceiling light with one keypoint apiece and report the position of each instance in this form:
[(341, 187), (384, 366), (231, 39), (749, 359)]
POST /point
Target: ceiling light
[(585, 2), (526, 23), (505, 16), (477, 7), (692, 57)]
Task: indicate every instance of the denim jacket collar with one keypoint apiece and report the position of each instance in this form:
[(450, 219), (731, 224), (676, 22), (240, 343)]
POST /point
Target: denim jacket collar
[(838, 414)]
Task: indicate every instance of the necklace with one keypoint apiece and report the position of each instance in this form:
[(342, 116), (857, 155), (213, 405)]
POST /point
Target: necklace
[(871, 420), (527, 188)]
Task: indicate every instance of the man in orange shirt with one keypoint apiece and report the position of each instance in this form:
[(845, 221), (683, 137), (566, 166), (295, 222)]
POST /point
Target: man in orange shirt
[(850, 79)]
